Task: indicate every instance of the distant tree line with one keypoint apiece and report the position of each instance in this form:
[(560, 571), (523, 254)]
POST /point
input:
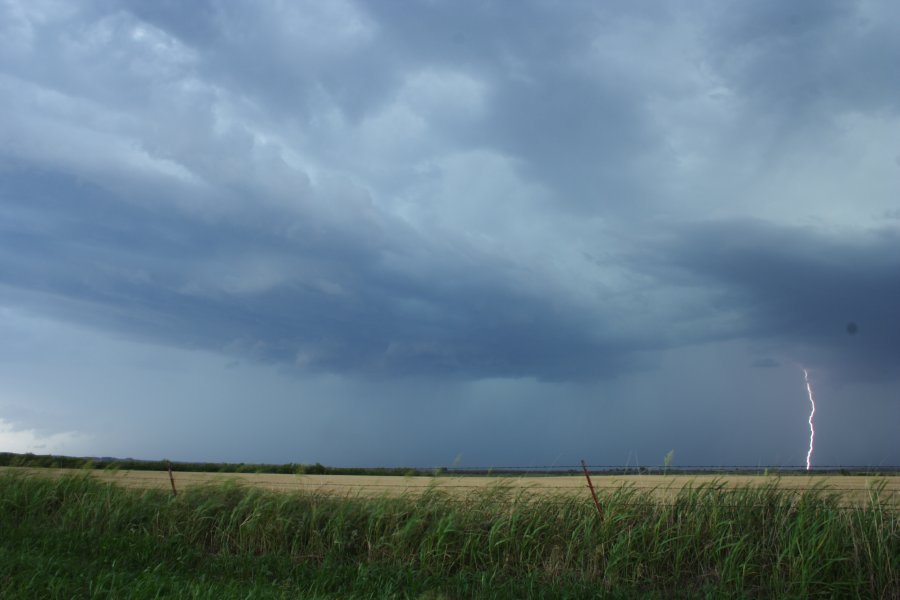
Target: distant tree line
[(11, 459)]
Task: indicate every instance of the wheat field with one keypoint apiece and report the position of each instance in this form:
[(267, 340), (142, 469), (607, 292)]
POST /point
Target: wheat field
[(852, 489)]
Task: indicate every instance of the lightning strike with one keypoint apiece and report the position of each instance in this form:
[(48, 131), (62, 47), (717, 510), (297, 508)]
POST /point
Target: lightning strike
[(812, 431)]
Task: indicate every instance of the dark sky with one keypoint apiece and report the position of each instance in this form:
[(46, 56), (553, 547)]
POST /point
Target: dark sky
[(413, 233)]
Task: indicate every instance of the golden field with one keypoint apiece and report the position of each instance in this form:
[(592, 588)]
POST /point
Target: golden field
[(853, 489)]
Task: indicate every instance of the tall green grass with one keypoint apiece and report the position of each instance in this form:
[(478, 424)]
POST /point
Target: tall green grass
[(78, 537)]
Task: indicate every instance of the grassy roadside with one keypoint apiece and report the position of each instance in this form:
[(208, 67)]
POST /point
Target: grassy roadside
[(78, 537)]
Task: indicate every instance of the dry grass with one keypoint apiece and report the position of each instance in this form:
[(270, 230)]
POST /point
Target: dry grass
[(852, 489)]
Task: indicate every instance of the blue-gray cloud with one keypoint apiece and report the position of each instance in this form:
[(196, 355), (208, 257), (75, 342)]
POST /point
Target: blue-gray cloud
[(808, 61), (436, 192), (172, 207), (802, 287), (320, 299)]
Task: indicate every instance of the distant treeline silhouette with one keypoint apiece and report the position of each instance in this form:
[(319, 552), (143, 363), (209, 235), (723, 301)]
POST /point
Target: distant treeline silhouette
[(11, 459)]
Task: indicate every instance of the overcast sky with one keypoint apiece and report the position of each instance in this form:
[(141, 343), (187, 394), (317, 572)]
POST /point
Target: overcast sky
[(412, 233)]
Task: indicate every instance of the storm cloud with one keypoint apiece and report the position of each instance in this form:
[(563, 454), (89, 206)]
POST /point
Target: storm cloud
[(798, 286), (482, 200)]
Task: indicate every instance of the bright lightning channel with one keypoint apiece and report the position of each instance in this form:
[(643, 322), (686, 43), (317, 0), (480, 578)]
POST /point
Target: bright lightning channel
[(812, 431)]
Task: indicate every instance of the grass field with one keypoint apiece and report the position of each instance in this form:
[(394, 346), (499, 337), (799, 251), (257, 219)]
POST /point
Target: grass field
[(850, 489), (77, 536)]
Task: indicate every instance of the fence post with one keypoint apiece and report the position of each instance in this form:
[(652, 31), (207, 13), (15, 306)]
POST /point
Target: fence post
[(171, 478), (591, 485)]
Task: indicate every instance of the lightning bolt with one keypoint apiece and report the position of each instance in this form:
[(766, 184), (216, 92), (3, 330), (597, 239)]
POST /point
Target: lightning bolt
[(812, 431)]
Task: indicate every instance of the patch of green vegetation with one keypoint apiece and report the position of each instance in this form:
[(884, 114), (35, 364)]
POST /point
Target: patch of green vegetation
[(76, 537)]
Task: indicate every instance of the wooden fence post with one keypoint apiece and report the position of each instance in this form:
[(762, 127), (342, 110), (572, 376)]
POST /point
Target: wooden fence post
[(591, 485), (171, 478)]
